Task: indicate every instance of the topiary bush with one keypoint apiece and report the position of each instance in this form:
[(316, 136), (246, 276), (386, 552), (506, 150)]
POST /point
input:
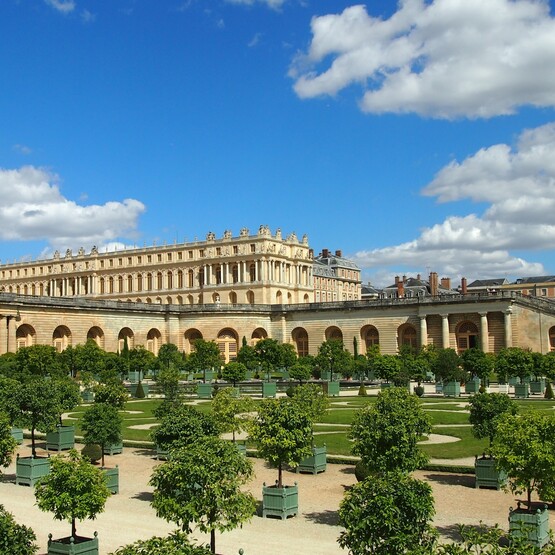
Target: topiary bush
[(290, 391), (140, 393), (361, 471), (549, 391), (92, 451), (419, 390), (362, 390), (15, 538)]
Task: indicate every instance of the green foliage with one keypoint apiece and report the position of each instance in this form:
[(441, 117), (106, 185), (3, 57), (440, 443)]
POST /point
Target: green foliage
[(362, 390), (205, 356), (169, 356), (389, 514), (8, 444), (234, 372), (386, 367), (92, 451), (312, 399), (15, 539), (485, 411), (140, 391), (548, 365), (231, 413), (549, 391), (176, 543), (102, 424), (419, 390), (332, 357), (446, 366), (361, 471), (37, 407), (89, 360), (514, 361), (300, 372), (38, 361), (141, 360), (269, 354), (8, 364), (247, 356), (182, 425), (282, 433), (8, 397), (67, 392), (477, 363), (112, 393), (74, 489), (386, 433), (202, 485), (168, 380), (525, 449)]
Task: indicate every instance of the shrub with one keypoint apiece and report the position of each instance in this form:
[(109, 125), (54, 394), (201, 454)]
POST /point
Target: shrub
[(361, 471), (92, 451), (362, 390), (140, 393), (15, 539), (290, 391), (177, 543), (549, 391), (419, 390)]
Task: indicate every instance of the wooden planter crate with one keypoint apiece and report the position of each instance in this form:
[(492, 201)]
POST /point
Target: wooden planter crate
[(113, 448), (281, 502), (61, 439), (112, 478), (487, 474), (537, 386), (28, 469), (269, 389), (17, 434), (331, 388), (204, 390), (522, 390), (73, 546), (315, 463), (452, 389), (472, 386), (532, 524)]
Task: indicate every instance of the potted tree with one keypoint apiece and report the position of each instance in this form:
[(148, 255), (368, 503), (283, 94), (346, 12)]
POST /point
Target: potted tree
[(37, 409), (63, 436), (386, 367), (446, 368), (234, 372), (202, 485), (74, 490), (478, 367), (525, 450), (113, 393), (7, 442), (518, 364), (101, 425), (282, 432), (232, 414), (8, 397), (485, 410), (315, 402)]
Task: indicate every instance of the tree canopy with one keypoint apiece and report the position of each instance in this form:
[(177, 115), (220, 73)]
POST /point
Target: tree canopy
[(485, 411), (102, 425)]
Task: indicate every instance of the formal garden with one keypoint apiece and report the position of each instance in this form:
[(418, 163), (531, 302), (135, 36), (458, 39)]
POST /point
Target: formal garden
[(387, 415)]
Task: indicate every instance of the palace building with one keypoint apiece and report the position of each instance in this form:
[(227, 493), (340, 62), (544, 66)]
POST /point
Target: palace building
[(252, 286)]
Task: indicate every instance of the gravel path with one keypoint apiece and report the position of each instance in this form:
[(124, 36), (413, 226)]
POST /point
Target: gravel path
[(129, 516)]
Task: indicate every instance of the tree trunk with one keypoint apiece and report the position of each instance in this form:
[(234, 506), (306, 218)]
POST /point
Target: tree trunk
[(33, 449), (73, 530), (213, 540), (279, 476), (102, 447)]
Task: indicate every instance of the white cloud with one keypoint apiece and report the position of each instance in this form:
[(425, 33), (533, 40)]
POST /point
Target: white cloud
[(22, 149), (32, 208), (518, 186), (87, 17), (62, 6), (274, 4), (444, 59)]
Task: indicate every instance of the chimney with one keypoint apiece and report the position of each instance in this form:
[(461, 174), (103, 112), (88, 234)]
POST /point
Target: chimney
[(338, 253), (418, 277), (404, 279), (396, 280), (446, 283), (400, 289), (463, 286), (325, 253), (433, 284)]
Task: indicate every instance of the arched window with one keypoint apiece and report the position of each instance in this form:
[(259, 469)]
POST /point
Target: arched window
[(407, 336), (159, 281), (120, 284), (129, 283), (334, 333), (227, 343), (257, 335), (235, 273), (125, 335), (300, 340), (170, 280), (180, 279), (149, 282), (25, 336), (218, 275), (140, 282), (191, 278), (101, 285), (153, 341), (370, 336), (467, 336), (252, 272), (61, 338), (111, 285), (250, 297), (552, 338), (97, 335), (190, 337), (279, 298), (233, 298)]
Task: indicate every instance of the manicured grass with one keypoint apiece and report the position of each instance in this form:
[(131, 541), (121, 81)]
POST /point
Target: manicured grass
[(468, 446), (446, 417)]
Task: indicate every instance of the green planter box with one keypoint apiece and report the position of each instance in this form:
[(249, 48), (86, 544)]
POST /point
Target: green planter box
[(73, 546), (135, 376), (112, 478), (331, 388), (326, 375), (28, 469), (280, 502), (439, 387), (522, 390), (269, 389), (134, 387), (537, 386), (503, 388), (284, 375), (533, 525), (514, 380), (452, 389), (487, 474), (472, 386), (113, 449), (161, 454), (209, 376), (61, 439), (204, 390), (87, 396), (315, 463), (241, 447), (17, 434)]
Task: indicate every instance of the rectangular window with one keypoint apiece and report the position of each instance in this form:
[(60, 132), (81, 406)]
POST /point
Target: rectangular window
[(201, 253), (169, 256), (159, 258), (235, 249), (139, 259), (129, 261), (120, 261), (179, 256), (111, 263), (190, 254), (253, 247), (149, 258), (219, 251)]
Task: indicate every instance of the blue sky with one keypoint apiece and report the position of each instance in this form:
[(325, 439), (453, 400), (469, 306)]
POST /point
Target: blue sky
[(414, 136)]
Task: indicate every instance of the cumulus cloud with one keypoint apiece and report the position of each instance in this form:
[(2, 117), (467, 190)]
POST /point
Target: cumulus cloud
[(274, 4), (517, 184), (33, 208), (442, 59), (62, 6)]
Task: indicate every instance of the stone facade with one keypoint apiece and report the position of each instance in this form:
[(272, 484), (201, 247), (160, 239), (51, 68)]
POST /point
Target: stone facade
[(489, 321)]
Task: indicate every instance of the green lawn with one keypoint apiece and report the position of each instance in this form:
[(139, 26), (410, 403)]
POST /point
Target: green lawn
[(447, 416)]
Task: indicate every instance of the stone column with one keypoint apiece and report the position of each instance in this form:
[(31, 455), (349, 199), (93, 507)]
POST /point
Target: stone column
[(3, 335), (445, 330), (508, 328), (484, 334), (423, 331), (11, 335)]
